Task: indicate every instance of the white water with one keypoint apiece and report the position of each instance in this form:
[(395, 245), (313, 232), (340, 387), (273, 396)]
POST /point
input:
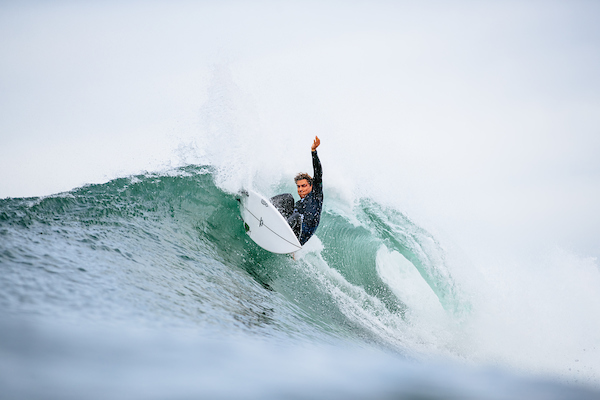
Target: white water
[(479, 121)]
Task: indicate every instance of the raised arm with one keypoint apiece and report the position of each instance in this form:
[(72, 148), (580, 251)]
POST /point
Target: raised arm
[(318, 171)]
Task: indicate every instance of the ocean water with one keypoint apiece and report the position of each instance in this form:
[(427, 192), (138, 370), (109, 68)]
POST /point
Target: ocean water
[(148, 287), (457, 252)]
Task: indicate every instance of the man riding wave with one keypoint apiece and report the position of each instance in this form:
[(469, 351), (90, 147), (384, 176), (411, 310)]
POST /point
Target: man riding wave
[(304, 215)]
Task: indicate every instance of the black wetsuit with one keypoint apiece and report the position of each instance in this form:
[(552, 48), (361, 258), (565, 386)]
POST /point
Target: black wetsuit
[(304, 216), (310, 206)]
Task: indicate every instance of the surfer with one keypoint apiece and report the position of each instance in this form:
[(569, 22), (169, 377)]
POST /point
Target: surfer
[(304, 215)]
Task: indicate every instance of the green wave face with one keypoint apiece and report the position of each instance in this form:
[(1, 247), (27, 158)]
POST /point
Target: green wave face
[(170, 249)]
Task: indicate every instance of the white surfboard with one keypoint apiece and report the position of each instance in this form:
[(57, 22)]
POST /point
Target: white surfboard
[(265, 225)]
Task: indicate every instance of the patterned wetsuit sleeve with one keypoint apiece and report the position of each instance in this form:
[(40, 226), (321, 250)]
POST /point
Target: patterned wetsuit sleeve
[(318, 171)]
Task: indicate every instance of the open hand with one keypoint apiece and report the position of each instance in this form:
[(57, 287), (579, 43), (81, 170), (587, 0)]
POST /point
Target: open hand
[(316, 143)]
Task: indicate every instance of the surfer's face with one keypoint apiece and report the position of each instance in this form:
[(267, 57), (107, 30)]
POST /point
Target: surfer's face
[(304, 188)]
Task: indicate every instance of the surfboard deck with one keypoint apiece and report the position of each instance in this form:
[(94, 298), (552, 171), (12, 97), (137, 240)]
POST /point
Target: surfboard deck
[(265, 225)]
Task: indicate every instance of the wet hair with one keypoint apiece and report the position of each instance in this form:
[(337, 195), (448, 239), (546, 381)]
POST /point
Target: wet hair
[(303, 175)]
